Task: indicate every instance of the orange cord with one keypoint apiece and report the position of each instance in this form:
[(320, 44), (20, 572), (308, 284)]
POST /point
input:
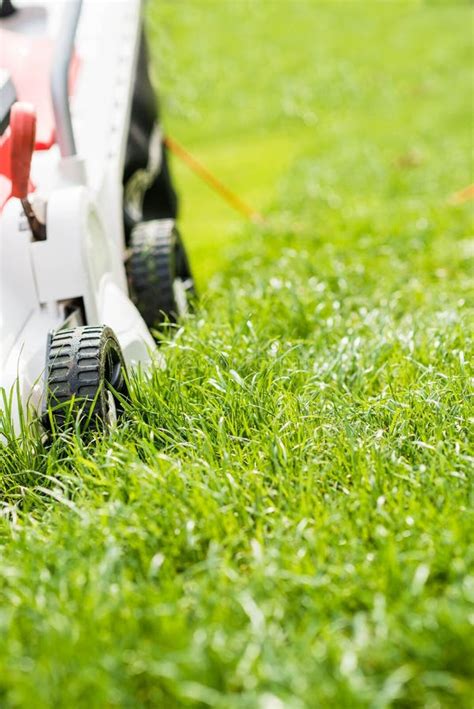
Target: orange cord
[(212, 181), (463, 195), (460, 197)]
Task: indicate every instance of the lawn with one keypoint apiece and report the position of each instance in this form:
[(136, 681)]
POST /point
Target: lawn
[(285, 517)]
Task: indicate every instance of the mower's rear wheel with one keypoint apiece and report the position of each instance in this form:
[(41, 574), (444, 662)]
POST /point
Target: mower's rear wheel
[(86, 378), (160, 278)]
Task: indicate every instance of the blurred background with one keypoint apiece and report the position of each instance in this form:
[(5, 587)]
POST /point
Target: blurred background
[(321, 114)]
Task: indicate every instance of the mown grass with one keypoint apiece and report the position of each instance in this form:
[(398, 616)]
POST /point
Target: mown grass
[(285, 517)]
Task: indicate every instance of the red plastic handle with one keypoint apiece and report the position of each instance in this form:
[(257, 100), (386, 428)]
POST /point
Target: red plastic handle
[(23, 130)]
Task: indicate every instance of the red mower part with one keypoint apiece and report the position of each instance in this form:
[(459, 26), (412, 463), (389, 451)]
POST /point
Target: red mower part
[(28, 61), (5, 168), (23, 131)]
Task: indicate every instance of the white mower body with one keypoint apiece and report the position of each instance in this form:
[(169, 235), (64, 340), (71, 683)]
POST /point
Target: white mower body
[(79, 199)]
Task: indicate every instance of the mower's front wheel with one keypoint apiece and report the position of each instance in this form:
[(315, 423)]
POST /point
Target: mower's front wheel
[(86, 378), (160, 278)]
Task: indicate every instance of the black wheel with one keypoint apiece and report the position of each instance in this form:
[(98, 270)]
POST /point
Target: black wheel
[(6, 8), (86, 376), (160, 278)]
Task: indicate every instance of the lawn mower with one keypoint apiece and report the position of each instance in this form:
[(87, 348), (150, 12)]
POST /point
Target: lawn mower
[(90, 256)]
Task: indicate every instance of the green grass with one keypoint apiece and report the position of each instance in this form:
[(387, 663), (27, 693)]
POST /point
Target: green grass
[(285, 519)]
